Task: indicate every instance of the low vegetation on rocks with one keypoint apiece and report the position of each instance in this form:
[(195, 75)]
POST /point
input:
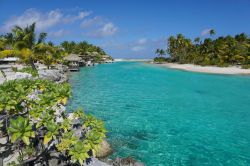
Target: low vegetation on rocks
[(36, 127)]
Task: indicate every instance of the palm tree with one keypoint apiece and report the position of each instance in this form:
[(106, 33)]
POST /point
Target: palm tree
[(68, 46), (241, 37), (197, 40), (161, 52), (212, 32), (25, 38), (157, 51), (172, 47)]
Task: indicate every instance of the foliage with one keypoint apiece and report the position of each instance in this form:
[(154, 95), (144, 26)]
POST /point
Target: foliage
[(222, 51), (161, 59), (7, 53), (37, 126), (82, 48), (160, 52), (24, 43), (79, 152), (88, 51), (29, 70), (20, 128), (246, 66)]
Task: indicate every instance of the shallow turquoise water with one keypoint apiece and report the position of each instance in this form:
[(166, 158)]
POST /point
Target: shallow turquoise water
[(164, 117)]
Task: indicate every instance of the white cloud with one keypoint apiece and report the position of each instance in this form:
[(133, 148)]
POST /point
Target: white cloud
[(139, 45), (43, 20), (59, 33), (96, 27), (205, 32), (97, 20), (72, 18), (137, 48), (142, 41), (107, 29)]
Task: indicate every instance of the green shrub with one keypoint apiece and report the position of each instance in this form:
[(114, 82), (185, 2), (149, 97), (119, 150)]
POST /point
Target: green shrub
[(30, 111), (161, 59), (29, 70), (247, 66)]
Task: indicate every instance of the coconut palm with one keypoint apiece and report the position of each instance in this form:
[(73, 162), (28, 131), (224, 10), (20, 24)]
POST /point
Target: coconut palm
[(68, 46), (221, 51), (25, 39), (212, 32), (157, 51), (160, 52), (197, 40)]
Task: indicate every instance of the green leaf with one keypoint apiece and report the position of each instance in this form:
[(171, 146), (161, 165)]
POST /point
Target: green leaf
[(15, 136), (20, 129), (47, 138), (26, 140)]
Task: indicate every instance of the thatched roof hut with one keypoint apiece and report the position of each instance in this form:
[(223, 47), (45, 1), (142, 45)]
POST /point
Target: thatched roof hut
[(105, 56), (82, 55), (95, 53), (72, 58)]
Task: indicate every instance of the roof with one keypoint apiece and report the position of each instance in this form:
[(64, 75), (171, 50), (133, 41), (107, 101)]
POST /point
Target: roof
[(94, 53), (10, 59), (106, 56), (81, 55), (72, 58)]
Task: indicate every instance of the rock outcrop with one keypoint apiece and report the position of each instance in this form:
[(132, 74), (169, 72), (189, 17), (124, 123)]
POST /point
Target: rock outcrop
[(104, 150), (52, 75), (128, 161)]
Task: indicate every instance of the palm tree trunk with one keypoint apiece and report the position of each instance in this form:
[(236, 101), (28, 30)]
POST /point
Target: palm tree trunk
[(32, 63)]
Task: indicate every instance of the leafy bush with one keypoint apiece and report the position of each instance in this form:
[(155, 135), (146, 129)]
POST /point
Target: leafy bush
[(161, 59), (245, 66), (36, 126), (29, 70)]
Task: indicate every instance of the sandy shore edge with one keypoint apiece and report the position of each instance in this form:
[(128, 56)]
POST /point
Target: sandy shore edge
[(207, 69)]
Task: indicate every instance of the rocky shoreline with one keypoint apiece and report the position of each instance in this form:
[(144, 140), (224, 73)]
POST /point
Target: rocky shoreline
[(60, 74)]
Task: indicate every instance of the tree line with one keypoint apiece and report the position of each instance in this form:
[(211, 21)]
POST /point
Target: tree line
[(221, 51), (30, 48)]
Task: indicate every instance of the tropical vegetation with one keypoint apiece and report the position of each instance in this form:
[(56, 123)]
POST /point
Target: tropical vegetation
[(88, 51), (30, 48), (35, 125), (221, 51), (33, 119)]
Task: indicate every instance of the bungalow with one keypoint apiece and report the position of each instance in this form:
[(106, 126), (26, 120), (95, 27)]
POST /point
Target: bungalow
[(107, 59), (74, 62)]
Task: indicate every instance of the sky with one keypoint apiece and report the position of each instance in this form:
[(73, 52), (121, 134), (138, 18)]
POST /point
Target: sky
[(127, 28)]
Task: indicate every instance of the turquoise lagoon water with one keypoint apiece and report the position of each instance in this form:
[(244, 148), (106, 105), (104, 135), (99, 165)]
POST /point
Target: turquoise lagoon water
[(164, 116)]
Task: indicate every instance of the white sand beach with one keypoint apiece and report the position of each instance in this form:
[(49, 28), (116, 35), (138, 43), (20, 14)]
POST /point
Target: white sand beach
[(207, 69)]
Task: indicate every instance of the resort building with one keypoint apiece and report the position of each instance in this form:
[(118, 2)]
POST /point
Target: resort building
[(73, 62)]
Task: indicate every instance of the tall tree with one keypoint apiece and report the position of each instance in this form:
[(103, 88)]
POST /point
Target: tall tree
[(160, 52), (212, 32), (24, 40)]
